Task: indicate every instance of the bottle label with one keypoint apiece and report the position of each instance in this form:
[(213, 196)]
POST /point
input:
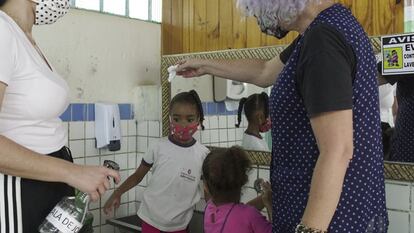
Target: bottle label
[(63, 221)]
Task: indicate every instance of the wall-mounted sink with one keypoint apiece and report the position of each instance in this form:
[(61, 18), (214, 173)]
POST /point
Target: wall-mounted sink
[(132, 224)]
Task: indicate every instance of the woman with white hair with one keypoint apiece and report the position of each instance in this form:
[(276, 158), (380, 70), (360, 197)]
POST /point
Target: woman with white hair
[(327, 165)]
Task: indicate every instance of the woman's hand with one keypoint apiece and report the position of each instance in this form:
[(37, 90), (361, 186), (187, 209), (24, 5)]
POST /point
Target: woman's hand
[(93, 180), (112, 203), (190, 68)]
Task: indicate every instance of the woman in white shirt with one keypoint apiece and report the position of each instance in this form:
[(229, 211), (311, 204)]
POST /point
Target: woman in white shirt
[(32, 96), (256, 109)]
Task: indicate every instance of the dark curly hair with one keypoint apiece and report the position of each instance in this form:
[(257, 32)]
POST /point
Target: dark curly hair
[(2, 2), (225, 171), (190, 97), (252, 104)]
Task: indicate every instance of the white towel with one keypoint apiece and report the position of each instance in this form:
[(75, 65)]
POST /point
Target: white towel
[(172, 72)]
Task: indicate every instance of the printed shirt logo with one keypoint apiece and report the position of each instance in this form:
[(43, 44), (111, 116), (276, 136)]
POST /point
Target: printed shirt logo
[(186, 174)]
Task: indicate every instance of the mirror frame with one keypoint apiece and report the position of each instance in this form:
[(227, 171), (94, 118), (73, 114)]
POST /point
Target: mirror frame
[(393, 170)]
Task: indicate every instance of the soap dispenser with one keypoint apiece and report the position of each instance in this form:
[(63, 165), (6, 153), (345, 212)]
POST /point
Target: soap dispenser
[(107, 126)]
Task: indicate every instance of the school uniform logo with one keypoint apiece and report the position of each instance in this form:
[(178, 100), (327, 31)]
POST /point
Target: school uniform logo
[(186, 174)]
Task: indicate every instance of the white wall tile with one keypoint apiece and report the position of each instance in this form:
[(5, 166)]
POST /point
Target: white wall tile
[(122, 160), (92, 161), (154, 129), (222, 122), (245, 123), (132, 128), (96, 217), (214, 135), (205, 136), (398, 222), (231, 121), (397, 196), (248, 194), (105, 151), (206, 123), (132, 208), (223, 135), (124, 127), (253, 175), (76, 130), (132, 161), (142, 144), (80, 161), (94, 205), (231, 134), (124, 145), (142, 128), (77, 148), (223, 144), (122, 211), (90, 149), (132, 143), (131, 194), (89, 129), (232, 143), (139, 159), (264, 174), (213, 120), (239, 134)]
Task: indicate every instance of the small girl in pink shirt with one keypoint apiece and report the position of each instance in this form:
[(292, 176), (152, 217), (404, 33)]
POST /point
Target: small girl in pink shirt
[(225, 172)]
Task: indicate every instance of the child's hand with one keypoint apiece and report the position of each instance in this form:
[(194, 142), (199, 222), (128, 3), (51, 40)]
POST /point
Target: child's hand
[(267, 193), (112, 203)]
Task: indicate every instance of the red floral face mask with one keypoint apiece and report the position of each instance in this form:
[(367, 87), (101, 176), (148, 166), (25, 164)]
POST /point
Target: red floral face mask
[(183, 133)]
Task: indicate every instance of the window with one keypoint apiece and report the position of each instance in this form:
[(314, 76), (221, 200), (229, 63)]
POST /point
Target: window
[(150, 10)]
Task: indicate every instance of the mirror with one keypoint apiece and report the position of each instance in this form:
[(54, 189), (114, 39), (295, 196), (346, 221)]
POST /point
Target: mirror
[(220, 99), (397, 98), (401, 171)]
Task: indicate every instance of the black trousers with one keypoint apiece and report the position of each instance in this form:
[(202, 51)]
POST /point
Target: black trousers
[(25, 203)]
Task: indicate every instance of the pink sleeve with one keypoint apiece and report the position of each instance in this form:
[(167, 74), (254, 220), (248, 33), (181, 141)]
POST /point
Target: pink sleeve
[(258, 222)]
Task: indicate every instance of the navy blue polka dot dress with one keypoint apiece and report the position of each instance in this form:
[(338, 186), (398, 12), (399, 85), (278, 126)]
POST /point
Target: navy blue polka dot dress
[(402, 142), (295, 152)]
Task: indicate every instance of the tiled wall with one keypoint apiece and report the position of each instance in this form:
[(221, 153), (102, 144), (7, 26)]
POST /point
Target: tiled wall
[(400, 205), (220, 129), (79, 119), (136, 136)]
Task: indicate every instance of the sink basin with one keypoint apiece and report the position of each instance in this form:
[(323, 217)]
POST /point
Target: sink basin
[(132, 224)]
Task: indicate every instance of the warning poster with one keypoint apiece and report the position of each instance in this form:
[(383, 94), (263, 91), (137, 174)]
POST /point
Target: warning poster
[(398, 54)]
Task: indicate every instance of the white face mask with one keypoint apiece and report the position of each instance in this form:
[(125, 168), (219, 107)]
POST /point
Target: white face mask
[(49, 11)]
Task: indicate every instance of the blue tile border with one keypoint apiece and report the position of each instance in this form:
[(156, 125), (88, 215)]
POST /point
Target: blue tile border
[(86, 112)]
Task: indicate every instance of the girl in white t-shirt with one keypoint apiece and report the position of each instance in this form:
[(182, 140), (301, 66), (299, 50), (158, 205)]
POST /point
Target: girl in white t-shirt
[(176, 161), (257, 114)]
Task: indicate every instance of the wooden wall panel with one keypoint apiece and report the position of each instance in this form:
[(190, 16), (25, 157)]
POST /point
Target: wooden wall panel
[(363, 11), (206, 25), (200, 25), (213, 26), (383, 16)]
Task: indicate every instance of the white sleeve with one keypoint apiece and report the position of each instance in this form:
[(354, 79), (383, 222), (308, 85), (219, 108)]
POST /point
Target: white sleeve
[(7, 53), (150, 156)]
